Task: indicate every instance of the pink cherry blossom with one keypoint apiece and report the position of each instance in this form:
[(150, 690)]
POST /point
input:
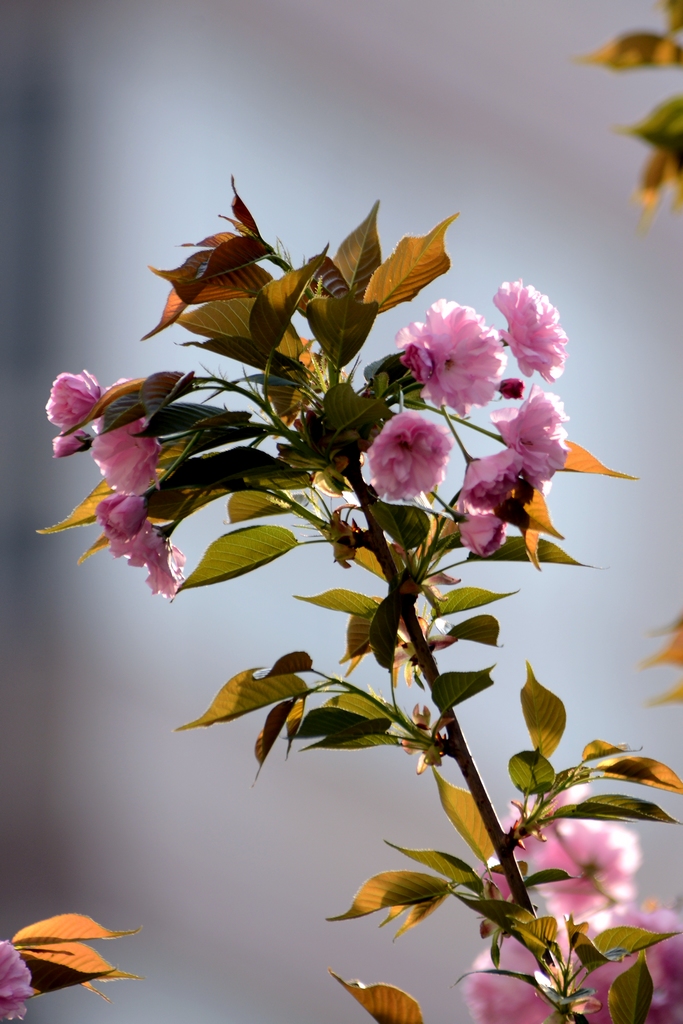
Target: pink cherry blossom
[(15, 983), (534, 429), (163, 560), (512, 387), (127, 462), (121, 517), (72, 397), (488, 481), (495, 999), (457, 357), (68, 444), (483, 534), (603, 854), (409, 456), (534, 334)]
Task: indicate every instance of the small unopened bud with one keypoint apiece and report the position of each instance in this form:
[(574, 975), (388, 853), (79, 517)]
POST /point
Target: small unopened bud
[(491, 891), (512, 387), (486, 928)]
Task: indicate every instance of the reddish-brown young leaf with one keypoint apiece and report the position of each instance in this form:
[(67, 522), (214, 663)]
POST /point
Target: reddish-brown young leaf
[(116, 391), (241, 213), (271, 730), (172, 310), (211, 241), (297, 661), (332, 279)]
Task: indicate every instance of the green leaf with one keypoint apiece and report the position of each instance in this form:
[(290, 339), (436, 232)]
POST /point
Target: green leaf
[(391, 365), (514, 550), (663, 127), (362, 704), (544, 714), (393, 889), (614, 807), (601, 748), (451, 688), (480, 629), (537, 935), (327, 721), (274, 724), (123, 411), (167, 506), (546, 876), (83, 514), (445, 864), (185, 416), (276, 304), (637, 50), (414, 263), (387, 1004), (463, 598), (371, 732), (417, 913), (244, 693), (590, 957), (630, 994), (254, 505), (160, 389), (234, 466), (384, 628), (404, 523), (240, 552), (463, 814), (643, 770), (360, 254), (341, 325), (345, 410), (506, 915), (340, 600), (229, 318), (242, 350), (531, 772), (626, 939)]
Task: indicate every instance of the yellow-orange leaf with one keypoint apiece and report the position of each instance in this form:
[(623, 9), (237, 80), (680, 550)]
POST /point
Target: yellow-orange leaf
[(414, 263), (83, 514), (581, 461), (464, 815), (65, 928), (671, 654), (673, 696), (100, 544), (387, 1004), (539, 516), (642, 770)]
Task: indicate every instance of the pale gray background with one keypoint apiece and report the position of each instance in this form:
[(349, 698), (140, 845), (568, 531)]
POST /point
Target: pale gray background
[(122, 122)]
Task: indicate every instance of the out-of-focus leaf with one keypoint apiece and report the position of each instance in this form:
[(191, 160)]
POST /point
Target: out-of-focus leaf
[(674, 13), (642, 770), (327, 721), (506, 915), (414, 263), (663, 127), (340, 600), (392, 889), (65, 928), (245, 693), (372, 732), (404, 523), (253, 505), (627, 939), (614, 807), (544, 714), (272, 728), (546, 876), (341, 325), (172, 310), (384, 628), (581, 461), (294, 720), (240, 552), (630, 994), (464, 598), (357, 641), (601, 748), (673, 696), (637, 50), (360, 254), (345, 410), (464, 815), (451, 688), (514, 550), (445, 864), (83, 514), (530, 772), (671, 654), (481, 629), (276, 304), (387, 1004)]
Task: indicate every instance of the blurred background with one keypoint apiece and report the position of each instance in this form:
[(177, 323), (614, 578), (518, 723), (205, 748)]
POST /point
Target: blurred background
[(122, 121)]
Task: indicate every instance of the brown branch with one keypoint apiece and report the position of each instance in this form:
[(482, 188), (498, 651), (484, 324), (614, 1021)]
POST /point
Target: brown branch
[(457, 744)]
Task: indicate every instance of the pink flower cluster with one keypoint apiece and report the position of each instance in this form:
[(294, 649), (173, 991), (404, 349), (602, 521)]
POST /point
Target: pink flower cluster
[(602, 857), (409, 456), (128, 462), (534, 334), (15, 983)]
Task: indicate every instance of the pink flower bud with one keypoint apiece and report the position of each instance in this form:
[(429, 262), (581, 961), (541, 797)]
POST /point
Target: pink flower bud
[(483, 534), (128, 462), (534, 429), (15, 983), (410, 455), (489, 481), (512, 387), (72, 397), (121, 517), (67, 444)]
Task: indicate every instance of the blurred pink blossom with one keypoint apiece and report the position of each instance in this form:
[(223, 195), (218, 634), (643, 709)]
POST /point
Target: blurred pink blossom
[(127, 462), (488, 481), (483, 534), (121, 517), (163, 560), (534, 429), (72, 397), (501, 1000), (605, 855), (455, 355), (408, 456), (534, 334), (15, 983), (68, 444), (512, 387)]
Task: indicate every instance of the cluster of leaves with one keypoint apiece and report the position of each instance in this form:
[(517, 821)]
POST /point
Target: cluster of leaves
[(57, 956), (662, 129)]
